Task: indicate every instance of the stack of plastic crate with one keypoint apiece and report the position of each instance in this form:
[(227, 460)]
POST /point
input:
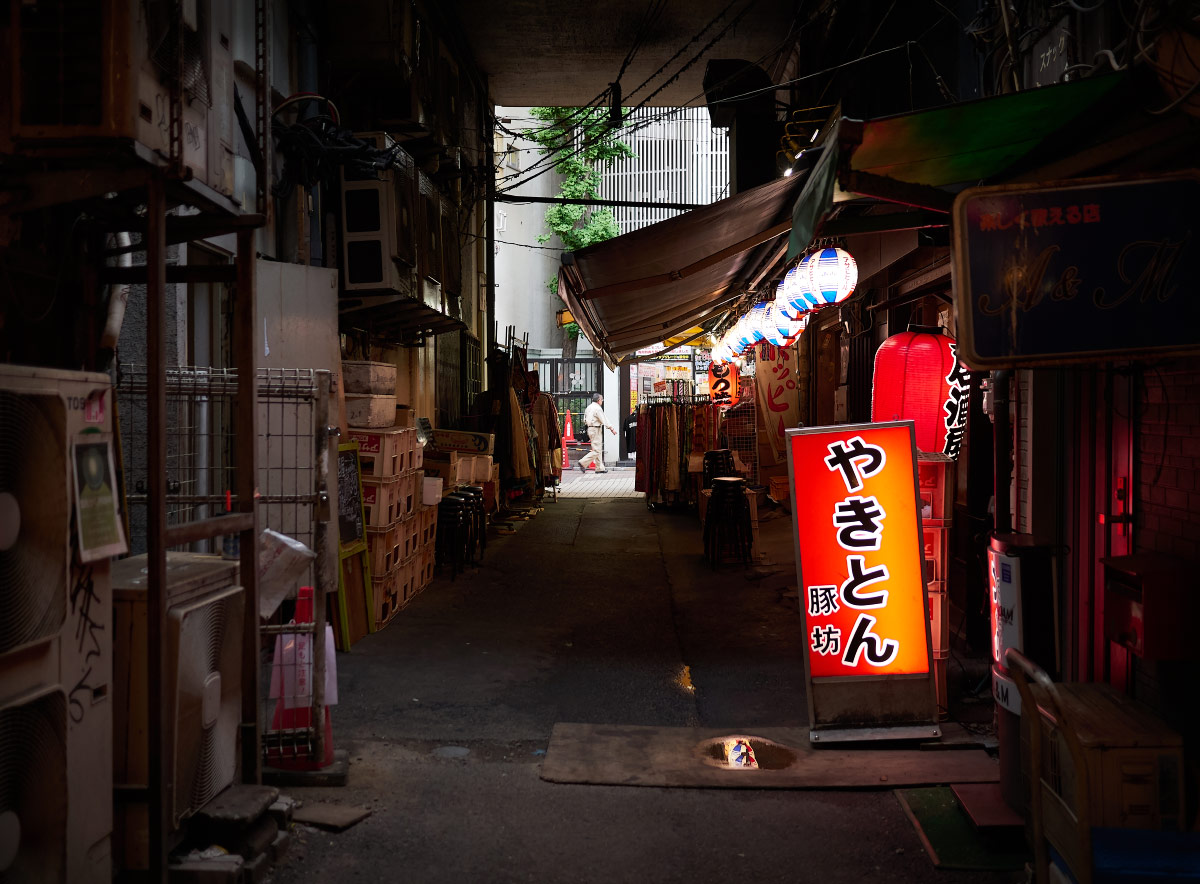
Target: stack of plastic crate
[(390, 459)]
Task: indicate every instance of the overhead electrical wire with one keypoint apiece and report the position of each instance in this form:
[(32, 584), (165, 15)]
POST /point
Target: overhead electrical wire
[(635, 127), (551, 154)]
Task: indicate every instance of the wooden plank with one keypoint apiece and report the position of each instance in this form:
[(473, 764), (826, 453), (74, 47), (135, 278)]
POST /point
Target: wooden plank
[(182, 273), (333, 817), (667, 757), (204, 529), (156, 529), (986, 806)]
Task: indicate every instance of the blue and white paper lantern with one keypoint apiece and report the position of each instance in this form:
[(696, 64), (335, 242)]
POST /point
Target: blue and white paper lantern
[(830, 276), (754, 322)]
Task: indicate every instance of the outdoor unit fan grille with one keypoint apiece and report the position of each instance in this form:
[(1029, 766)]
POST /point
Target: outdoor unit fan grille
[(33, 791), (34, 517), (208, 697)]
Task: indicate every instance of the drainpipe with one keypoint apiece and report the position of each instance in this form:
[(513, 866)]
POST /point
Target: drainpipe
[(1002, 447), (490, 221), (118, 296), (307, 65)]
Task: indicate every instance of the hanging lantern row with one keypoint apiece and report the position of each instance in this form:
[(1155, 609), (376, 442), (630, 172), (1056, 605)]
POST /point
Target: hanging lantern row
[(823, 277)]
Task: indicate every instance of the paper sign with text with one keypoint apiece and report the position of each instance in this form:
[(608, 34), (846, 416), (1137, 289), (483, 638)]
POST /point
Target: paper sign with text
[(858, 532)]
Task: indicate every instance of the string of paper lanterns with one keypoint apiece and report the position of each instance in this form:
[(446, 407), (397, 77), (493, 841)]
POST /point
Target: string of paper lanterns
[(825, 276)]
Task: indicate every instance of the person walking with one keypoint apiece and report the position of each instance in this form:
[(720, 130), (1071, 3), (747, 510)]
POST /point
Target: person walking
[(596, 422)]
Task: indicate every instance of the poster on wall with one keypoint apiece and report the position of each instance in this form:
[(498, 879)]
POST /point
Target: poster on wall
[(859, 563)]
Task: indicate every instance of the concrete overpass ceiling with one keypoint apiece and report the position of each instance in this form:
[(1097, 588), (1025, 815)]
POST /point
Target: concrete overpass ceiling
[(566, 52)]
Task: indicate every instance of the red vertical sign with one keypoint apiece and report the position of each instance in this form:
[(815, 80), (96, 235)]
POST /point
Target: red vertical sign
[(859, 539)]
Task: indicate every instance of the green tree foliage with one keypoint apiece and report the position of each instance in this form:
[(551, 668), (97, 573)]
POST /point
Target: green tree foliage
[(584, 143)]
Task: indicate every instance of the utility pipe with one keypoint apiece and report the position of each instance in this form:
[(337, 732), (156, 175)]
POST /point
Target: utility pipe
[(1002, 446)]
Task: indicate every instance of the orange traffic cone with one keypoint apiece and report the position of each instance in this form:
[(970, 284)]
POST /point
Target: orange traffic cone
[(568, 430)]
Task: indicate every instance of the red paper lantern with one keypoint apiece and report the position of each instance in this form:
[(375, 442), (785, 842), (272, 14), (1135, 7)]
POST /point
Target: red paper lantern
[(918, 377)]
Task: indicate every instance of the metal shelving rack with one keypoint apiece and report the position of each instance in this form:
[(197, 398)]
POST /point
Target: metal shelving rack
[(133, 190)]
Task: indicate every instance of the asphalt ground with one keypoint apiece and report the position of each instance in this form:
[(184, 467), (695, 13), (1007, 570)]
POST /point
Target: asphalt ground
[(594, 611)]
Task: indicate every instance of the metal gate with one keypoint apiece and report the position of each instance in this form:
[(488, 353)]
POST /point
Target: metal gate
[(292, 494)]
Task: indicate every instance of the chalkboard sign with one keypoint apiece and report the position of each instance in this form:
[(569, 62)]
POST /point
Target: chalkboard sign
[(351, 524)]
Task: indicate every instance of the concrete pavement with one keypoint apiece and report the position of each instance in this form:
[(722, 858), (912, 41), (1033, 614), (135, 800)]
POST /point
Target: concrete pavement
[(595, 611)]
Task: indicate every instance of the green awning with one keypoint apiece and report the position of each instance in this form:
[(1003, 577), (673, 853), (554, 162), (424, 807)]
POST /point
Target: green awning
[(910, 158)]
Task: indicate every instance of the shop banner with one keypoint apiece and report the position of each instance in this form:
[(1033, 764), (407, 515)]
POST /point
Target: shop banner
[(1090, 270), (777, 395), (856, 517)]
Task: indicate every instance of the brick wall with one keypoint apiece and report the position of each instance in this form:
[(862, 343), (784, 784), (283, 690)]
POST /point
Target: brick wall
[(1166, 505)]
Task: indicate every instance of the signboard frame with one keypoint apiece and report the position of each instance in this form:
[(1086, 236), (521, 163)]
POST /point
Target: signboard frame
[(964, 295), (840, 708)]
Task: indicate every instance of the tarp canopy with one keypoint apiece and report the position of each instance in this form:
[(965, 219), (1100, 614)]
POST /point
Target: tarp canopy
[(647, 286), (661, 281), (909, 159)]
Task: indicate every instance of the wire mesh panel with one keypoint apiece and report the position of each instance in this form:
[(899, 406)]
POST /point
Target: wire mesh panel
[(201, 439), (741, 432)]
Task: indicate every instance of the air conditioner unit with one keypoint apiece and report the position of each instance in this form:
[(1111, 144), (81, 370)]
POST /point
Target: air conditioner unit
[(205, 613), (56, 632), (95, 69), (378, 248)]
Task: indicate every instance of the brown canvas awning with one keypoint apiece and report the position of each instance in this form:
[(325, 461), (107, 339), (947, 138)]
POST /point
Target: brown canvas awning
[(644, 287)]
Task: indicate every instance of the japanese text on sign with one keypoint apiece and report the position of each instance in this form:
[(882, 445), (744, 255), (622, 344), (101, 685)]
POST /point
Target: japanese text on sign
[(860, 553), (956, 405)]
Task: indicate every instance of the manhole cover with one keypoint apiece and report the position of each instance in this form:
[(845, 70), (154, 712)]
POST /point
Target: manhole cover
[(768, 754)]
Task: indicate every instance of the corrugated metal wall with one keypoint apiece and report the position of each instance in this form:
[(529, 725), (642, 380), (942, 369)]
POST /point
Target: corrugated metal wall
[(678, 158)]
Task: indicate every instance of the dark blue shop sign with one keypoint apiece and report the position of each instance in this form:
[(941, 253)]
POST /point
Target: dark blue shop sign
[(1087, 271)]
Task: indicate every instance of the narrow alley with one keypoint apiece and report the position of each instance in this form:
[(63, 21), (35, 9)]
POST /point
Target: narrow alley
[(594, 611)]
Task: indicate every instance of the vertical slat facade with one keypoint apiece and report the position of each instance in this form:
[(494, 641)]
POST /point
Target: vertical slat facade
[(678, 158)]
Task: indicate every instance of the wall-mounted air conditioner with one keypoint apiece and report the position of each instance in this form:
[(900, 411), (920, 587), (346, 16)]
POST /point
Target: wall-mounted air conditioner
[(56, 633), (378, 219), (96, 70), (204, 678)]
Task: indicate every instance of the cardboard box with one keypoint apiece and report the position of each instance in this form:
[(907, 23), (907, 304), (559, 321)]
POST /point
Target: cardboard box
[(457, 440), (406, 417), (445, 468)]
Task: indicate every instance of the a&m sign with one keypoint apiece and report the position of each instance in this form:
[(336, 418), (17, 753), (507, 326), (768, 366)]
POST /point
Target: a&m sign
[(855, 511)]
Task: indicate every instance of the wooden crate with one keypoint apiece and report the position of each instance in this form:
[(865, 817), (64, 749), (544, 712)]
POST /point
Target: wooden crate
[(388, 595), (381, 501), (425, 563), (409, 494), (386, 452), (409, 577), (387, 547), (428, 519)]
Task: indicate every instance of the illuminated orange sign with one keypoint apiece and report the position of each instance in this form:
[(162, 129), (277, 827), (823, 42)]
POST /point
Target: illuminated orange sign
[(859, 540), (723, 382)]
